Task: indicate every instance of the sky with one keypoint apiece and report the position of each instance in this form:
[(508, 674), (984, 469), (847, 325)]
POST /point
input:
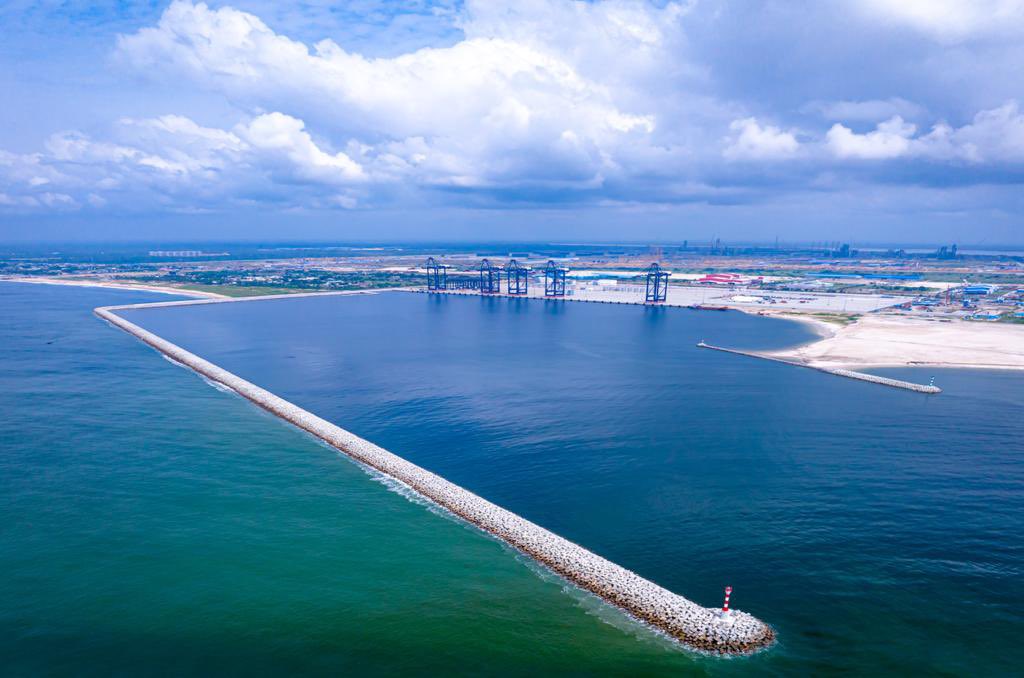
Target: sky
[(852, 120)]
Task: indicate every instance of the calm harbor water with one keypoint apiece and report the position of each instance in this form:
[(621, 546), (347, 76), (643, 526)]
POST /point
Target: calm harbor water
[(161, 525)]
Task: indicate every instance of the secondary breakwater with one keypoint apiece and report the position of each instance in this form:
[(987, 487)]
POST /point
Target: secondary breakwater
[(839, 372), (849, 374), (695, 626)]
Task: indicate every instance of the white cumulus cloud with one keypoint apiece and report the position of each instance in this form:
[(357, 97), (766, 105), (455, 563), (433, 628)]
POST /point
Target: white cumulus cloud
[(173, 161), (283, 137), (524, 91), (950, 20), (752, 141), (993, 136), (890, 139)]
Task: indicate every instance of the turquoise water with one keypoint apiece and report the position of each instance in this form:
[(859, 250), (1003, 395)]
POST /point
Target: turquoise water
[(155, 525), (158, 525)]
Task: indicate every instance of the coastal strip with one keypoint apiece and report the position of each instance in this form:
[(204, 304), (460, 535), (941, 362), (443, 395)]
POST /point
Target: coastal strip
[(839, 372), (697, 627), (113, 285)]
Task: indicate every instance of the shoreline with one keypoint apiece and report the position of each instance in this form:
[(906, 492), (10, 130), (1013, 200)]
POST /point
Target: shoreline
[(890, 344), (823, 328), (159, 289), (694, 626), (874, 340)]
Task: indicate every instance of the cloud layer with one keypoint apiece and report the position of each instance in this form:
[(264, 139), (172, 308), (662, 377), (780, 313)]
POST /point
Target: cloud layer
[(545, 102)]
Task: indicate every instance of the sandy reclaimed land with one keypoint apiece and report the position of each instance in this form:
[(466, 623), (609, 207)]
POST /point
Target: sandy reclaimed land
[(895, 341), (120, 286), (823, 328)]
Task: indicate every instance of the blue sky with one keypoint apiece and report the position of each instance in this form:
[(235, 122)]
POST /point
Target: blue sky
[(860, 120)]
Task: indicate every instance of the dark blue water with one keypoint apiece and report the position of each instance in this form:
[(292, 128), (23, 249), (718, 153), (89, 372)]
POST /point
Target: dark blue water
[(879, 530)]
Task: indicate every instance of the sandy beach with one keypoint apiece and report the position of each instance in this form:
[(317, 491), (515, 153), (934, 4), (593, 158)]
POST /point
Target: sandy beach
[(894, 341), (162, 289), (824, 328)]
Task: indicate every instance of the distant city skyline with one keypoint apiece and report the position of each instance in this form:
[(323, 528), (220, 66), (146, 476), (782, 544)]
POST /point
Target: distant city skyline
[(854, 121), (214, 246)]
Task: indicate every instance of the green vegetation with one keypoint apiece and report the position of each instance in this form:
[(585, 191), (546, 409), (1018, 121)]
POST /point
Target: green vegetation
[(977, 278), (237, 291), (275, 280), (842, 319)]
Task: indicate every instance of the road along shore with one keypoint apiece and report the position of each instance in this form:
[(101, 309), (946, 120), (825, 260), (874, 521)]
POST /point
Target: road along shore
[(697, 627)]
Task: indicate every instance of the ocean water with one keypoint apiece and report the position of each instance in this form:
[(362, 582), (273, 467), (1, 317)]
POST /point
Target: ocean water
[(158, 525)]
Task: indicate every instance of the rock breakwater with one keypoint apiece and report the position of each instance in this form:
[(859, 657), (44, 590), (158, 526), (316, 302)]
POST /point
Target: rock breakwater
[(695, 626), (849, 374)]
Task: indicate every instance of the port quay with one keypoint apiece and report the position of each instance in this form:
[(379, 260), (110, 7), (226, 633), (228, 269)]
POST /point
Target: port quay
[(655, 292), (839, 372), (711, 630), (650, 286)]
